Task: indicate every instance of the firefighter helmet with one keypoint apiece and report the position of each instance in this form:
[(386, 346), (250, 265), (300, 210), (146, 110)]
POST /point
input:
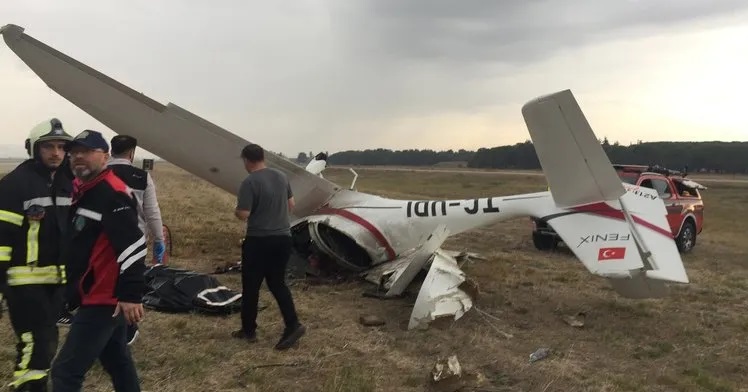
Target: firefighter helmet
[(48, 130)]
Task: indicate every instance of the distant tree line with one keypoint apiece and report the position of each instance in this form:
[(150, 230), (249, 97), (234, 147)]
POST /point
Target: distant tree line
[(399, 158), (720, 157)]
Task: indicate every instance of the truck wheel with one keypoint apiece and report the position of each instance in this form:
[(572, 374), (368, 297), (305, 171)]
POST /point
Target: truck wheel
[(686, 239), (544, 241)]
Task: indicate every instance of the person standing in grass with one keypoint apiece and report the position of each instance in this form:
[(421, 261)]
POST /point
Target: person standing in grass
[(149, 214), (106, 265), (34, 208), (264, 201)]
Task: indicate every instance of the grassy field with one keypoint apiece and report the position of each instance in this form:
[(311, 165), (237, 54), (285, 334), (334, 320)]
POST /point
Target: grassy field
[(694, 340)]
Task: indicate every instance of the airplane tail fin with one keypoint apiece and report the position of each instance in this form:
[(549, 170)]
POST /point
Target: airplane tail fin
[(577, 168), (618, 233)]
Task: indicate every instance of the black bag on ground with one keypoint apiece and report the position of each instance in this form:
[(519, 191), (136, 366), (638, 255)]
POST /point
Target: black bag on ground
[(178, 290)]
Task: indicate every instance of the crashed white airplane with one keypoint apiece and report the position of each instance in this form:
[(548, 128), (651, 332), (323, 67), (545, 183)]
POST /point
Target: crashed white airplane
[(389, 241)]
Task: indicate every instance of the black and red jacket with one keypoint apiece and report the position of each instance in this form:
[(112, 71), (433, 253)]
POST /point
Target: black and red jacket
[(107, 252)]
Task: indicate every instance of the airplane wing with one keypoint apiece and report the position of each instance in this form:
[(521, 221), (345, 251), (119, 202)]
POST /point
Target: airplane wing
[(205, 149)]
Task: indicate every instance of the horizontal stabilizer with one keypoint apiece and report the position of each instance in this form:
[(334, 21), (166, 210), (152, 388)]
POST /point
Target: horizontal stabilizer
[(628, 242), (576, 167), (605, 245)]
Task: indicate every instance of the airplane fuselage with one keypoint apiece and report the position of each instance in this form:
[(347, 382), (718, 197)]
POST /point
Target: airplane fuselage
[(386, 228)]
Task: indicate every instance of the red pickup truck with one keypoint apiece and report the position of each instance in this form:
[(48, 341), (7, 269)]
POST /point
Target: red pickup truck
[(685, 208)]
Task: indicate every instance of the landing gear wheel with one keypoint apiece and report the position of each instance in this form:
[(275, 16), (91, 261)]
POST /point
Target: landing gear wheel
[(544, 241), (686, 239)]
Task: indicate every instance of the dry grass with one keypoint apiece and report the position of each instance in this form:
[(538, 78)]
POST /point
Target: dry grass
[(693, 340)]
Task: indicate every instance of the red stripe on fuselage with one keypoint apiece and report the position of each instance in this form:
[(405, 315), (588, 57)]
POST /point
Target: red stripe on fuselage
[(366, 224), (606, 210)]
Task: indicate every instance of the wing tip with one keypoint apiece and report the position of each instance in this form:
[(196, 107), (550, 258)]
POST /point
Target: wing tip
[(546, 97), (11, 30)]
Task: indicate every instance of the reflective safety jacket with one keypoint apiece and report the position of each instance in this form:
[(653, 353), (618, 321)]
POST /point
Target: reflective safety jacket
[(107, 250), (34, 211)]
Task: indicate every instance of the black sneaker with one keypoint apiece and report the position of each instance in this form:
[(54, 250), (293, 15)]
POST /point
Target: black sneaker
[(32, 386), (132, 333), (290, 337), (239, 334)]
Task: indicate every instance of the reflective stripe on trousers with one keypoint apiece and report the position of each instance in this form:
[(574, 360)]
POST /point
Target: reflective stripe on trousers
[(51, 274), (22, 377), (5, 253), (23, 374)]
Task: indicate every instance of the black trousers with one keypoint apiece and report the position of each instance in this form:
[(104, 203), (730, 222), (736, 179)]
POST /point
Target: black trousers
[(95, 334), (33, 311), (265, 258)]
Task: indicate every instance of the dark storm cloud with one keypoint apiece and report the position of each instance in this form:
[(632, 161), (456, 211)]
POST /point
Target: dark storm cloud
[(515, 31), (417, 57)]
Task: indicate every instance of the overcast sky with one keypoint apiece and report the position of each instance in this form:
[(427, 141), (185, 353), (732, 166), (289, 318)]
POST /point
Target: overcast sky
[(311, 75)]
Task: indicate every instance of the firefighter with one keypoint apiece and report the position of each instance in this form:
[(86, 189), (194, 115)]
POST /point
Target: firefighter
[(35, 201)]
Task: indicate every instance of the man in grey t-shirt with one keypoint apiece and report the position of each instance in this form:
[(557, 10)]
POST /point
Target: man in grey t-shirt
[(264, 201), (267, 194)]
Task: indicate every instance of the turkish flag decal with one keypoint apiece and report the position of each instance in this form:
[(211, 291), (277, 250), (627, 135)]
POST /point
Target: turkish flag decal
[(611, 254)]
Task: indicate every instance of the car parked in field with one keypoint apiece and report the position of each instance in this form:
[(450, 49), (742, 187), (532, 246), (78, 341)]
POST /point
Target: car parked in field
[(683, 202)]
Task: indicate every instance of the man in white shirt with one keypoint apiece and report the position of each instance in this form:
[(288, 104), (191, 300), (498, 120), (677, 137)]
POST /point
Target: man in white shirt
[(140, 181)]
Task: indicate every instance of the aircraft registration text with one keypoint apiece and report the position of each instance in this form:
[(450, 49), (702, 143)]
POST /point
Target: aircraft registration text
[(430, 208)]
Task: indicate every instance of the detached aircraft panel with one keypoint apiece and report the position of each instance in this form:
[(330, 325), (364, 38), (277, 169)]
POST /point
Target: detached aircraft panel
[(203, 148)]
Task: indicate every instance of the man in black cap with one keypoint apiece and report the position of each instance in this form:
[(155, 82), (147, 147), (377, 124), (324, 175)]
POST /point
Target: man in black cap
[(106, 266)]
